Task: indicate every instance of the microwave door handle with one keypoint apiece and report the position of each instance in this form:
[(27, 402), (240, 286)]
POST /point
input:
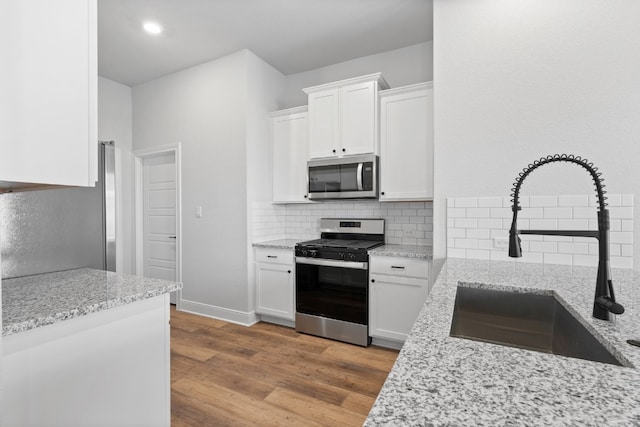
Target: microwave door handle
[(359, 176)]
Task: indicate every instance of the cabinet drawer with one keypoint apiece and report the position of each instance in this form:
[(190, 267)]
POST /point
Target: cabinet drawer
[(275, 256), (398, 266)]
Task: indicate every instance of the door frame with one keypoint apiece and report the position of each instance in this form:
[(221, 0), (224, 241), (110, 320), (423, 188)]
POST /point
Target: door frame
[(139, 157)]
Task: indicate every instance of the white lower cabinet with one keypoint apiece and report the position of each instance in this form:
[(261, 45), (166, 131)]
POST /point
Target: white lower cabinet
[(275, 283), (398, 288)]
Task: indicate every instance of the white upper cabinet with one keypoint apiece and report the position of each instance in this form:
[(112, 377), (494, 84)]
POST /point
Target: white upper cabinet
[(343, 117), (48, 81), (290, 151), (406, 143)]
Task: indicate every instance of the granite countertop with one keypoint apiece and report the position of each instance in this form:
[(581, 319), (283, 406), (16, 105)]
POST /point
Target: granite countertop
[(33, 301), (278, 244), (405, 251), (446, 381)]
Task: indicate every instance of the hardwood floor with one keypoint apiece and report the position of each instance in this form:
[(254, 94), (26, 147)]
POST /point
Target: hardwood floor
[(269, 375)]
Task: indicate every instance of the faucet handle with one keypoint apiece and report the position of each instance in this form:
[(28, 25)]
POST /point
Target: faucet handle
[(610, 305)]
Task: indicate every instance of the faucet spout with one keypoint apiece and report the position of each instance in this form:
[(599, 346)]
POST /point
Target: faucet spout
[(604, 299)]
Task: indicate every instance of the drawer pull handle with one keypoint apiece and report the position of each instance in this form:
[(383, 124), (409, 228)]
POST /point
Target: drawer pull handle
[(398, 267), (272, 256)]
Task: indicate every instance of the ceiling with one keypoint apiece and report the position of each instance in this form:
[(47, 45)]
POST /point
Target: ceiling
[(291, 35)]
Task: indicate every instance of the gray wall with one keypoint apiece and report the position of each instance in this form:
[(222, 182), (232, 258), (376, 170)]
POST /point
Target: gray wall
[(515, 80), (211, 110), (400, 67)]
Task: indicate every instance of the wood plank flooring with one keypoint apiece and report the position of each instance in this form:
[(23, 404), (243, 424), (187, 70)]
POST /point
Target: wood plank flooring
[(269, 375)]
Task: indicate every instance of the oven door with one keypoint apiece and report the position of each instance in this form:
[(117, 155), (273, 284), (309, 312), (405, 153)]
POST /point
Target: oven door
[(332, 289)]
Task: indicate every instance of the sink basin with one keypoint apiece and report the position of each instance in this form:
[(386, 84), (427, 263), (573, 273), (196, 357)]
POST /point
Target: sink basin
[(524, 320)]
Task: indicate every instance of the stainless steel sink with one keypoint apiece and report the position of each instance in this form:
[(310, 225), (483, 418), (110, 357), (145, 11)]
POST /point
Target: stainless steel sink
[(524, 320)]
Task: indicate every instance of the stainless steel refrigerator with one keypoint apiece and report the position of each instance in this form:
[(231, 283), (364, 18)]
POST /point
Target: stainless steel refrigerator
[(61, 229)]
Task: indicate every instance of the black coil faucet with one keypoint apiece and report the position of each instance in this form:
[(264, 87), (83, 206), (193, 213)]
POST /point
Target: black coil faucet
[(604, 300)]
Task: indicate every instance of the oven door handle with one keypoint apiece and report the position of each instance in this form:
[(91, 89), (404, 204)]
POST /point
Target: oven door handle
[(333, 263)]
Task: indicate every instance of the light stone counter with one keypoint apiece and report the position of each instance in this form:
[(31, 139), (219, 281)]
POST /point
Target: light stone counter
[(404, 251), (33, 301), (443, 381), (278, 244)]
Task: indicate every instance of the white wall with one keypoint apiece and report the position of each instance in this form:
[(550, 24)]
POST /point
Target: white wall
[(265, 86), (218, 110), (204, 107), (115, 123), (518, 79), (400, 67)]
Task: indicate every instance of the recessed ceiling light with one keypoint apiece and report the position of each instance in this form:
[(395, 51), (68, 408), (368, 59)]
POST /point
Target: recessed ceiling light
[(152, 27)]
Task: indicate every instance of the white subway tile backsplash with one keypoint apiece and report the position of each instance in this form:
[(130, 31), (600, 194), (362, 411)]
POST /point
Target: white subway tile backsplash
[(543, 201), (543, 224), (614, 199), (478, 254), (501, 213), (456, 253), (466, 222), (573, 248), (490, 223), (621, 262), (562, 259), (478, 212), (573, 201), (478, 233), (466, 202), (558, 213), (413, 221), (490, 202), (547, 247), (582, 212), (473, 224), (531, 213), (622, 212), (573, 224), (457, 232)]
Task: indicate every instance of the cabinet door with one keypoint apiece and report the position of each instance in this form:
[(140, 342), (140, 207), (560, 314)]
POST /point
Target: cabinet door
[(358, 118), (48, 81), (290, 143), (324, 124), (274, 290), (406, 146), (394, 305)]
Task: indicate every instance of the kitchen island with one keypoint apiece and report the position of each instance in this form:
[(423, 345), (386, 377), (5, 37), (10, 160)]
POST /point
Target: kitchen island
[(86, 347), (443, 380)]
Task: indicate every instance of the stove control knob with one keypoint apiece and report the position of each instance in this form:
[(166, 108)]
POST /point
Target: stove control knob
[(304, 252), (352, 257), (342, 255), (313, 254)]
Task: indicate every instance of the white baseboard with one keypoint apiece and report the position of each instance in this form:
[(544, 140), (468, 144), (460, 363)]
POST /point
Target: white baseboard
[(383, 342), (220, 313)]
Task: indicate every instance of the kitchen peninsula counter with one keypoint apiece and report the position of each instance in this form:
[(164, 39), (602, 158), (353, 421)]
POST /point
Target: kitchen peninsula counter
[(446, 381), (86, 347), (33, 301)]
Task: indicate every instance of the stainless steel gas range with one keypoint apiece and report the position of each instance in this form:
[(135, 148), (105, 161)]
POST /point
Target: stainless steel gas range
[(332, 285)]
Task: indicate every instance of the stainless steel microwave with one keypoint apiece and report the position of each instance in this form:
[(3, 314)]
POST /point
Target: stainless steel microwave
[(353, 177)]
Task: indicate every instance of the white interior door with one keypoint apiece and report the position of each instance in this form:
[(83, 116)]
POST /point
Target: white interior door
[(159, 219)]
